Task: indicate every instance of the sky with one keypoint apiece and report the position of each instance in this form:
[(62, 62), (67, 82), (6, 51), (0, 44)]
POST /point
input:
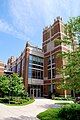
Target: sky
[(24, 20)]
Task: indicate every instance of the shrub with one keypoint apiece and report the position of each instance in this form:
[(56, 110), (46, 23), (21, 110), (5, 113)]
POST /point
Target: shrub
[(12, 102), (70, 112), (60, 98), (4, 100), (16, 100), (57, 94), (63, 98)]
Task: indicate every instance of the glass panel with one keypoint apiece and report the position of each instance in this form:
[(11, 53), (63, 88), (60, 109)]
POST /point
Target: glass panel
[(41, 74), (49, 60), (33, 74), (38, 74), (30, 73), (53, 73), (49, 74), (35, 59), (30, 57)]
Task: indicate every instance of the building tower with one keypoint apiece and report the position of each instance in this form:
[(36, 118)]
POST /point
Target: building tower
[(52, 62)]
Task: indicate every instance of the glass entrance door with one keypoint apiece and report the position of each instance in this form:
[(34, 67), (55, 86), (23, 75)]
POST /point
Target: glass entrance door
[(35, 92)]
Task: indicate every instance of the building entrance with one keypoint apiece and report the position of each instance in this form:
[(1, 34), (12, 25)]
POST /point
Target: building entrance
[(35, 92)]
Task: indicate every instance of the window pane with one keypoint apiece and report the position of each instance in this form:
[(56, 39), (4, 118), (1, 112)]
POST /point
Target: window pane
[(33, 74), (53, 73), (49, 74), (30, 73), (41, 74)]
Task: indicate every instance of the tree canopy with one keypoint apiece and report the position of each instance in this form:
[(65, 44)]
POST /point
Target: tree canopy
[(71, 70), (11, 85)]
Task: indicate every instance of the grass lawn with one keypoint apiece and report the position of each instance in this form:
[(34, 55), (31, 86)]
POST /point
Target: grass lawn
[(66, 112), (50, 114)]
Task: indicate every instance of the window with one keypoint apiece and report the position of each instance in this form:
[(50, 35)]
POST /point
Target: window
[(30, 73), (49, 60), (30, 57), (38, 74), (45, 48), (35, 60), (35, 67), (41, 74), (33, 73), (52, 31), (53, 73), (49, 74), (52, 59), (41, 61)]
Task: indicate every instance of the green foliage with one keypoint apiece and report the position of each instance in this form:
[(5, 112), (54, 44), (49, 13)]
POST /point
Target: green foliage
[(16, 101), (4, 100), (16, 85), (67, 112), (11, 85), (50, 114), (63, 98), (4, 84), (70, 112), (70, 72)]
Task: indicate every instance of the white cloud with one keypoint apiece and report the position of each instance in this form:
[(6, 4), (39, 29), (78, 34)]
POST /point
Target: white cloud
[(30, 16), (27, 14), (4, 27), (9, 29)]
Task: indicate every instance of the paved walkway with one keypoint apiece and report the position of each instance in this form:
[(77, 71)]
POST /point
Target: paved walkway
[(27, 112)]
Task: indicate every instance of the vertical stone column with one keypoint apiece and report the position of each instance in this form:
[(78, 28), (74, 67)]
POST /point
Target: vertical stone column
[(27, 50)]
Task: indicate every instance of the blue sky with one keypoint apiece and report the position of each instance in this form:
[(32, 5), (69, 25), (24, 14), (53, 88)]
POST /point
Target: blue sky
[(24, 20)]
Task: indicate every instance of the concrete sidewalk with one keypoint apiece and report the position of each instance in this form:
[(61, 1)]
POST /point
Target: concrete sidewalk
[(27, 112)]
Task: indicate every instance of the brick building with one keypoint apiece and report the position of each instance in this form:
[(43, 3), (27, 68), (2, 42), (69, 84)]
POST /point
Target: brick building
[(38, 67), (52, 47), (29, 65)]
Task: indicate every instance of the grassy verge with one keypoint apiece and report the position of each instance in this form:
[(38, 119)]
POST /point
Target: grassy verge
[(22, 104), (67, 112), (50, 114), (16, 101), (62, 104)]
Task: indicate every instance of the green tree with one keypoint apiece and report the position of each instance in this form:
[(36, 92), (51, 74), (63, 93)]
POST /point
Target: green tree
[(16, 85), (71, 70), (4, 85), (72, 29), (11, 85)]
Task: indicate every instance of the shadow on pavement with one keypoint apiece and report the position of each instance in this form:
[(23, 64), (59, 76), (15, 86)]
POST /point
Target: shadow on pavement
[(22, 118), (51, 106)]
